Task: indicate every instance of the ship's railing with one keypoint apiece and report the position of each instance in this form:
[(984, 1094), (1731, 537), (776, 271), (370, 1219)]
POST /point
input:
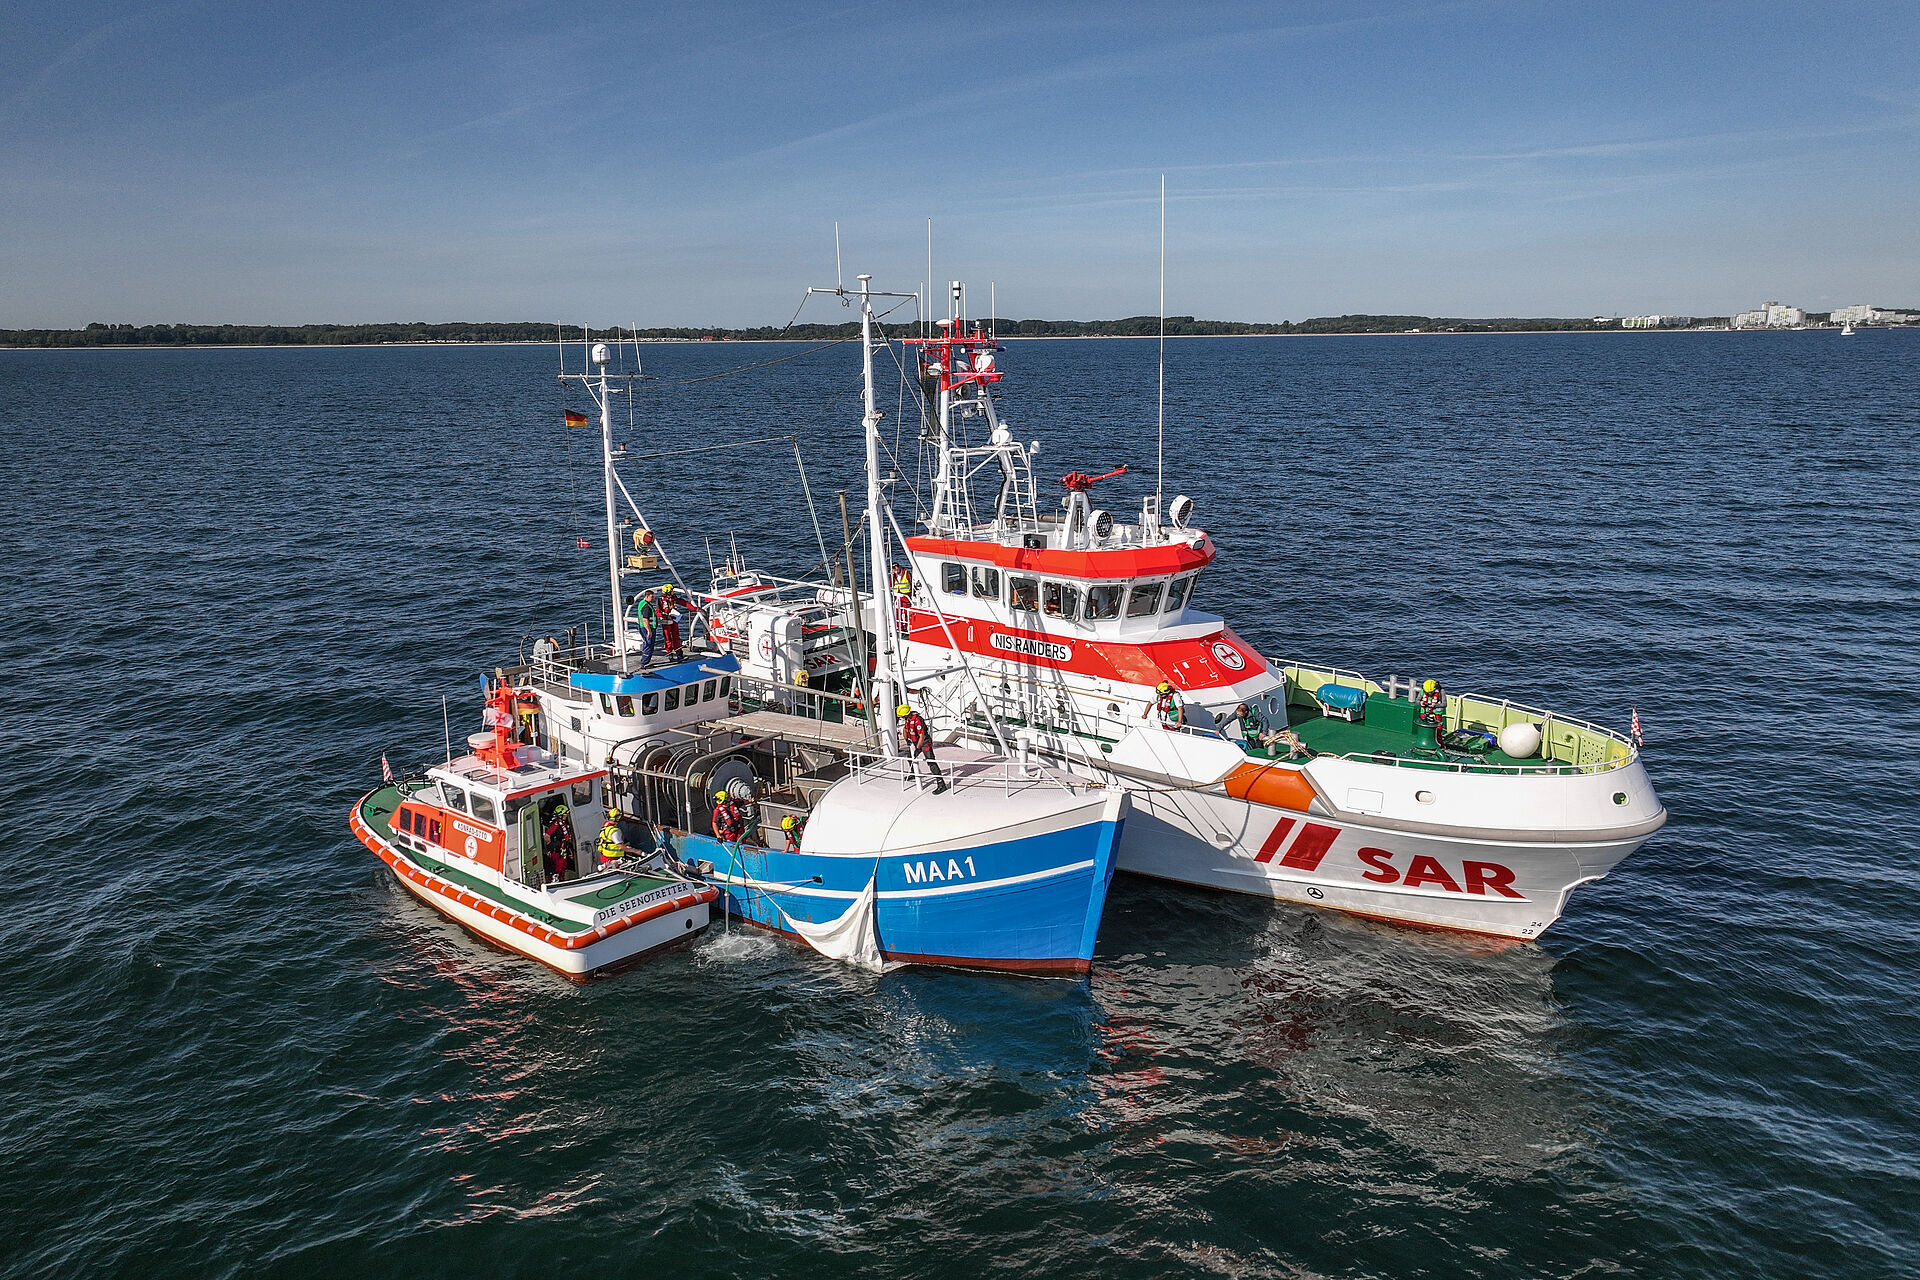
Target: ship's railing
[(1570, 744), (1545, 768), (1023, 770)]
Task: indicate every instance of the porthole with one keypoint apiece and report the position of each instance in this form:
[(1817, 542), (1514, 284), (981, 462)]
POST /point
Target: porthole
[(1424, 797), (1620, 797)]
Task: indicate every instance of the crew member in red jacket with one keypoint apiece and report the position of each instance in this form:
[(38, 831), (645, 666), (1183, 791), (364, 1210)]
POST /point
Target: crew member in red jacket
[(729, 823), (919, 743)]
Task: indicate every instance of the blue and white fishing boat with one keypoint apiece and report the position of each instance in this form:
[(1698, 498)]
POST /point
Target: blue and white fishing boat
[(996, 860)]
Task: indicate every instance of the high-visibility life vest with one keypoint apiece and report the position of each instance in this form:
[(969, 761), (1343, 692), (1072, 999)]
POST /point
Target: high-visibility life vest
[(610, 842)]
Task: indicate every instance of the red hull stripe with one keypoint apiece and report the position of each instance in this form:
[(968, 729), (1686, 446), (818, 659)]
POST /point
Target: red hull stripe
[(1274, 840), (1310, 847), (1130, 562), (1185, 664), (494, 911)]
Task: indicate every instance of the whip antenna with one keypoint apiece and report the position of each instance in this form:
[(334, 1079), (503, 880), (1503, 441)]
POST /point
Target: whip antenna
[(1160, 452)]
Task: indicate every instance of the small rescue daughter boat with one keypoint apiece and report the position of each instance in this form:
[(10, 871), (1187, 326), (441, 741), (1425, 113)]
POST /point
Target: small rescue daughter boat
[(500, 842)]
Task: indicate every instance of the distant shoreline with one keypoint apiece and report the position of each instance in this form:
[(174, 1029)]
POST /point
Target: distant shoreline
[(1040, 337)]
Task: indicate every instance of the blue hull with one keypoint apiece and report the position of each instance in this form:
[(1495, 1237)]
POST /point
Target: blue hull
[(1028, 905)]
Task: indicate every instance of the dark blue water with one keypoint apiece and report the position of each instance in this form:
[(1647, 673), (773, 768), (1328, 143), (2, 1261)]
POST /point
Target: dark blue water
[(232, 579)]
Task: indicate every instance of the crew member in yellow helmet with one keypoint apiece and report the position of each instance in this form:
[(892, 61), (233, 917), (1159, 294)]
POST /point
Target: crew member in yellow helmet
[(1167, 704), (728, 822), (1433, 705), (919, 743), (611, 847), (793, 827), (670, 607)]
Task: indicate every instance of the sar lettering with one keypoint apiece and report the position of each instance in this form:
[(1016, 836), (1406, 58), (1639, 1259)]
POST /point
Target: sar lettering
[(1480, 878)]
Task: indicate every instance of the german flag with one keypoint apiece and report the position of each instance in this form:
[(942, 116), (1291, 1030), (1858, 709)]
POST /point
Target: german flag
[(576, 419)]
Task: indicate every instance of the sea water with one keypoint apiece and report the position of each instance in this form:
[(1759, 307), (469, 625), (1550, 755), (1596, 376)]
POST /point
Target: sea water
[(234, 579)]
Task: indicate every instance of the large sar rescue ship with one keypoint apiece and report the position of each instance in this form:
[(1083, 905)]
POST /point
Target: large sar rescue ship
[(1077, 630)]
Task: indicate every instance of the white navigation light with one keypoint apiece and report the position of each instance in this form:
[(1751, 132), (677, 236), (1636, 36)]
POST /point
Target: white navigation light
[(1520, 740), (1179, 510), (600, 353)]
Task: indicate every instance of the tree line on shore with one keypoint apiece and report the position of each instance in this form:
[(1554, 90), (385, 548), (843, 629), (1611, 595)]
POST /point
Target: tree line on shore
[(217, 335)]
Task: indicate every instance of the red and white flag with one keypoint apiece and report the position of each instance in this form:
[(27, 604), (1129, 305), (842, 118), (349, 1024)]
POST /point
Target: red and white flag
[(386, 770), (1635, 729)]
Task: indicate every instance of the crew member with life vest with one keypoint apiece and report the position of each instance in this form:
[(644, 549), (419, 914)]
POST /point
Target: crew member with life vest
[(793, 827), (670, 607), (919, 743), (1253, 728), (1172, 714), (902, 593), (611, 847), (1433, 710), (729, 824), (557, 842)]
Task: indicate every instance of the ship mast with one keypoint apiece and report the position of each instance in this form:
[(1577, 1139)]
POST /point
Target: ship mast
[(883, 697), (599, 385), (601, 356), (888, 683)]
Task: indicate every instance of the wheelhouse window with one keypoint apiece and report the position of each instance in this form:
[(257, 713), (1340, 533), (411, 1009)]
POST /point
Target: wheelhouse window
[(626, 704), (1103, 601), (1177, 593), (726, 682), (606, 703), (986, 582), (1060, 600), (483, 809), (673, 699), (707, 696), (1145, 600), (649, 704), (1023, 594), (953, 578), (419, 824), (456, 799)]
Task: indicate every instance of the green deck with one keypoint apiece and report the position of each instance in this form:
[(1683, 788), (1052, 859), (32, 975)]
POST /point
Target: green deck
[(377, 808), (1385, 730)]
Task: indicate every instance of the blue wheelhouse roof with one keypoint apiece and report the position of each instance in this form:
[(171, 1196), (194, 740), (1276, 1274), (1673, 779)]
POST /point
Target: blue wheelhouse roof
[(657, 679)]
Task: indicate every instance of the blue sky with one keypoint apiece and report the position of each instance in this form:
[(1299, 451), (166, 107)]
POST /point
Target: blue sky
[(685, 164)]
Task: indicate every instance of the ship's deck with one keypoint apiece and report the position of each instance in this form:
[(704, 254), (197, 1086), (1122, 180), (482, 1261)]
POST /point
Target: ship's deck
[(377, 808), (1386, 730)]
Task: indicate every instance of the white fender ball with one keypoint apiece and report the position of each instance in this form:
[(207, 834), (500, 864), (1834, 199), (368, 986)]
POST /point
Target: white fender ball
[(1520, 740)]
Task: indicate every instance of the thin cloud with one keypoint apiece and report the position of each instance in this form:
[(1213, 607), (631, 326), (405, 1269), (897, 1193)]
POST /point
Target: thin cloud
[(104, 34), (1101, 66)]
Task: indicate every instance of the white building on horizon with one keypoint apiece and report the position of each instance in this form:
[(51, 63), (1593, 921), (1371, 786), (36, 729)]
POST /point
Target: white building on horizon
[(1863, 314), (1770, 315), (1656, 322)]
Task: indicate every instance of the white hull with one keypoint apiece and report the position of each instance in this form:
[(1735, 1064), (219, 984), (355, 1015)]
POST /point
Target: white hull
[(1177, 836), (608, 955), (649, 922), (1486, 853)]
